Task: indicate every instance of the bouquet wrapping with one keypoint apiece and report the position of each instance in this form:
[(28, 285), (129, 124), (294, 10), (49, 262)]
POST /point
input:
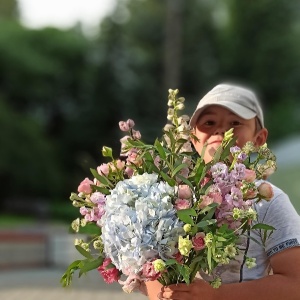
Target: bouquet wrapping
[(159, 212)]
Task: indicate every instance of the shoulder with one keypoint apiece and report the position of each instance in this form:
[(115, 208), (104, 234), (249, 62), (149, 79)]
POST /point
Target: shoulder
[(279, 204)]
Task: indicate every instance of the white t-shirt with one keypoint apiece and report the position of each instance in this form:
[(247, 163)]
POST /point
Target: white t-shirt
[(279, 213)]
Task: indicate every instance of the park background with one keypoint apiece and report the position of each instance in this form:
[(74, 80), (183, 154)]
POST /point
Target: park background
[(64, 90)]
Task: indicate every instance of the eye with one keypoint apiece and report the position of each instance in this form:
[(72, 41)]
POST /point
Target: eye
[(209, 123), (236, 123)]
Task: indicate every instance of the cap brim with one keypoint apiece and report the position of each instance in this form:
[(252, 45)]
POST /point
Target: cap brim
[(236, 108)]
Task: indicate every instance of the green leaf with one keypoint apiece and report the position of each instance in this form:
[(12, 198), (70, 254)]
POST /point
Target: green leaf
[(185, 215), (67, 277), (83, 252), (185, 272), (100, 178), (88, 265), (263, 226), (90, 228), (160, 149), (167, 178), (209, 259), (171, 262), (102, 190), (178, 168), (203, 224)]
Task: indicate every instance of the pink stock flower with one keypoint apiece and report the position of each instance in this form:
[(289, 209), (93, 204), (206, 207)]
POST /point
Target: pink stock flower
[(98, 198), (198, 241), (182, 204), (85, 186), (109, 275), (184, 192), (265, 191), (250, 175)]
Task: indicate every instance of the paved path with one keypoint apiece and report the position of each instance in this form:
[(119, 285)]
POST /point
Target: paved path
[(37, 284)]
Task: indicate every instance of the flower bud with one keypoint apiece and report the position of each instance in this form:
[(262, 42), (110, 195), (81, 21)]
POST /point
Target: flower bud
[(107, 152), (265, 191), (187, 228)]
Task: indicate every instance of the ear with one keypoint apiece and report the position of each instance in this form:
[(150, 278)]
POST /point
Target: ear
[(261, 137)]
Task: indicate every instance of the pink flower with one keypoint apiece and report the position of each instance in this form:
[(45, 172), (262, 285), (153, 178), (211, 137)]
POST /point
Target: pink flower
[(119, 164), (182, 204), (149, 272), (129, 171), (98, 198), (85, 186), (198, 241), (136, 134), (103, 169), (251, 193), (126, 126), (212, 197), (178, 256), (132, 283), (109, 274), (184, 192), (250, 175), (265, 191)]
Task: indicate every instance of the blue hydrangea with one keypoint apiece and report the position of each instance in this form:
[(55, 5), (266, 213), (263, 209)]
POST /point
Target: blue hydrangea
[(140, 222)]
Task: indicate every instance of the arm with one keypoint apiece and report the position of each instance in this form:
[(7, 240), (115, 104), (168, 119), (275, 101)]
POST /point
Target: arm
[(283, 284)]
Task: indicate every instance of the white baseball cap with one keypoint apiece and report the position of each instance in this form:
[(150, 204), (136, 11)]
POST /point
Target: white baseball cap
[(240, 100)]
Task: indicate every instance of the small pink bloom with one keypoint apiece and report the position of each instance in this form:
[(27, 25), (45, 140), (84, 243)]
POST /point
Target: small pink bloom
[(136, 134), (149, 272), (123, 126), (251, 193), (132, 283), (250, 175), (98, 198), (129, 171), (205, 200), (130, 123), (182, 204), (120, 164), (212, 197), (198, 241), (184, 192), (85, 186), (205, 180), (83, 210), (103, 169), (109, 275), (266, 191)]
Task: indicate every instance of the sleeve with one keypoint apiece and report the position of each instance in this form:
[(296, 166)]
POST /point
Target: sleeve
[(281, 214)]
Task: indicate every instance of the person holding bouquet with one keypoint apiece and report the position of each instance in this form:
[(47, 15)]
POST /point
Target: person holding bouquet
[(274, 270)]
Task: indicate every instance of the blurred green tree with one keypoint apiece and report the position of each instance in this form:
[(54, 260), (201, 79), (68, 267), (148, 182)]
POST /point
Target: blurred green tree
[(9, 9)]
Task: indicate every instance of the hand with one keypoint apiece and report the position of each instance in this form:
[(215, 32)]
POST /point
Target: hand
[(198, 289)]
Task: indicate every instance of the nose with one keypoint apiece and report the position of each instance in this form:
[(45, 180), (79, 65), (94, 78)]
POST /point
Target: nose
[(220, 130)]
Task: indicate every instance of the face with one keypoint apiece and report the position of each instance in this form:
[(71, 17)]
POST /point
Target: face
[(215, 120)]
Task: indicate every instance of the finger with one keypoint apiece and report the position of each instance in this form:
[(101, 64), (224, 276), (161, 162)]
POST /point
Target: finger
[(182, 287)]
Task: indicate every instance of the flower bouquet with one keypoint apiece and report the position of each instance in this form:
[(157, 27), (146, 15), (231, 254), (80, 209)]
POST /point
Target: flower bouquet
[(159, 212)]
